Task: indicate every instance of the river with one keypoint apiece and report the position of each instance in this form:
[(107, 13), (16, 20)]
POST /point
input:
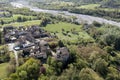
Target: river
[(80, 17)]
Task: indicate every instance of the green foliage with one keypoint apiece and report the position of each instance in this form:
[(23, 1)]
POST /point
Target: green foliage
[(19, 19), (44, 22), (69, 74), (80, 64), (97, 24), (61, 44), (111, 36), (111, 3), (112, 14), (4, 54), (28, 71), (55, 66), (88, 74), (100, 66), (117, 43), (88, 60), (3, 71), (74, 33), (10, 69), (109, 39), (2, 22), (113, 74)]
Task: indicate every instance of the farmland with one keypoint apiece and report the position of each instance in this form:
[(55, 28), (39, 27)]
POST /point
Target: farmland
[(69, 32)]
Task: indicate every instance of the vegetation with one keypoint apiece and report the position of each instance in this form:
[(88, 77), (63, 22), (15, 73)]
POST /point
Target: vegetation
[(3, 69), (4, 54), (94, 49), (68, 32), (108, 9)]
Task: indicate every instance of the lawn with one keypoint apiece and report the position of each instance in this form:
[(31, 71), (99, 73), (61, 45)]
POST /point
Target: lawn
[(64, 31), (3, 71)]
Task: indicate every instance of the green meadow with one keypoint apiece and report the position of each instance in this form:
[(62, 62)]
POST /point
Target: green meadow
[(14, 18), (68, 32), (26, 23), (89, 6)]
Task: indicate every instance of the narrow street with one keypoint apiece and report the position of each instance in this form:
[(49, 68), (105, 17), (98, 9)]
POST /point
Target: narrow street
[(10, 46)]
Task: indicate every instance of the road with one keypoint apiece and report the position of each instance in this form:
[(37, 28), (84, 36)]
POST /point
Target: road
[(10, 46)]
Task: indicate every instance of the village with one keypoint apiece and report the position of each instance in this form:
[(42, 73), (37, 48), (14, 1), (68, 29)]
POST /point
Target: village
[(32, 42)]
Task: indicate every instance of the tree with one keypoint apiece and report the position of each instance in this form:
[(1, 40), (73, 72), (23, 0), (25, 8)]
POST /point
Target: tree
[(88, 74), (44, 22), (80, 64), (55, 66), (19, 19), (13, 76), (70, 74), (100, 66), (0, 37), (96, 24), (24, 19), (61, 44), (2, 22), (29, 70), (117, 43), (110, 39), (113, 74)]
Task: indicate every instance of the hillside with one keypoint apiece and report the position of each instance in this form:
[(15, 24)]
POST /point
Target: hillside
[(111, 3), (59, 40)]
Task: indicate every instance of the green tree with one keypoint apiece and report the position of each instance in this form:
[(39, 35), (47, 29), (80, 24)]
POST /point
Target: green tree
[(80, 64), (100, 66), (19, 19), (2, 22), (45, 21), (88, 74), (113, 74), (60, 43), (117, 43), (29, 70)]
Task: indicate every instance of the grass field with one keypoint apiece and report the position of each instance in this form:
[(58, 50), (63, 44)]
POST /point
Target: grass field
[(95, 6), (3, 71), (14, 18), (27, 23), (68, 30), (89, 6)]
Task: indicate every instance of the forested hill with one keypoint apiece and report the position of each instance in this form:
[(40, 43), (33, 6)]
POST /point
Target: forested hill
[(75, 1), (104, 3), (111, 3), (84, 1)]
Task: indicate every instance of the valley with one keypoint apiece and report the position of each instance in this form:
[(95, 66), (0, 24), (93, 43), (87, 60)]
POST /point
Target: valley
[(59, 40), (80, 17)]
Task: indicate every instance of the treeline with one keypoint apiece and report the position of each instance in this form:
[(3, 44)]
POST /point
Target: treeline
[(110, 3), (114, 15)]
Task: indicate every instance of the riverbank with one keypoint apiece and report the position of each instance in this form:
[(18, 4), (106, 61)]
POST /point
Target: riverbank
[(80, 17)]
